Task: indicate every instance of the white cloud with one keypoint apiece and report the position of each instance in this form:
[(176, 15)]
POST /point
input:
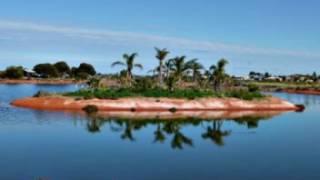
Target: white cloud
[(109, 36)]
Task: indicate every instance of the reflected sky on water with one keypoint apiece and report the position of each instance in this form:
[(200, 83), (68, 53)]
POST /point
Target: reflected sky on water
[(64, 145)]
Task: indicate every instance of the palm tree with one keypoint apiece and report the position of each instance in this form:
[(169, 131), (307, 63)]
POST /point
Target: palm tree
[(195, 68), (178, 67), (129, 63), (219, 74), (161, 56)]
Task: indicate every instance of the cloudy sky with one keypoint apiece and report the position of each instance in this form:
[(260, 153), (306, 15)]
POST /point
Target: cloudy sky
[(280, 37)]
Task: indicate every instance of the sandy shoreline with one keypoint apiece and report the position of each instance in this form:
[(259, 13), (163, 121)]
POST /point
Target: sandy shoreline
[(157, 104)]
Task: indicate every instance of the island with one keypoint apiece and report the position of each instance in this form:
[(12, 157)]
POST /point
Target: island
[(177, 85)]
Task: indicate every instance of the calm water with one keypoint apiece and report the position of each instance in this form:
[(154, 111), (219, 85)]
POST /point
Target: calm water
[(53, 145)]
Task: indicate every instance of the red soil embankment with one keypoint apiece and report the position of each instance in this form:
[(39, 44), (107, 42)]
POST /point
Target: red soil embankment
[(39, 81), (157, 104), (307, 91)]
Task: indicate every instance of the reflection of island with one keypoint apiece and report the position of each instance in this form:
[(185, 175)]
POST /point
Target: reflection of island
[(170, 125)]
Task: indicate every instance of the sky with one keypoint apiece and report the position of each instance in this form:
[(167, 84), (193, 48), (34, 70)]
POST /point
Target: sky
[(276, 36)]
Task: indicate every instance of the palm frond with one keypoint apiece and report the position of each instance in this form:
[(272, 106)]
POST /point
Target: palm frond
[(138, 66), (117, 63)]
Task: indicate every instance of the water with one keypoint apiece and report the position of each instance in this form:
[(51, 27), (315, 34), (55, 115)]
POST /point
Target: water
[(60, 145)]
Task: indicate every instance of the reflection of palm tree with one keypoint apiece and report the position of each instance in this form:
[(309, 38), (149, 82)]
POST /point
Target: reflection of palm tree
[(170, 127), (215, 134), (159, 135), (179, 140), (251, 122), (127, 134), (93, 125)]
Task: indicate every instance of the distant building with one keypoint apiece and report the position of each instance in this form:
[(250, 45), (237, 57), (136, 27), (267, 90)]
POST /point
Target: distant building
[(30, 73)]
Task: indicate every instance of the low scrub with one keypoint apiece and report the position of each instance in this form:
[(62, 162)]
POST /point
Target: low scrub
[(158, 93), (42, 94)]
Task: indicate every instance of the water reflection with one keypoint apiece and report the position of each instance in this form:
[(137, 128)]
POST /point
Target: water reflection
[(169, 127), (307, 100), (215, 133)]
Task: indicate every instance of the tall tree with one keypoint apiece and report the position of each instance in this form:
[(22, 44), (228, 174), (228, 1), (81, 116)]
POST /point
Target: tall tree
[(178, 67), (14, 72), (129, 63), (46, 70), (219, 74), (62, 68), (161, 55), (195, 68)]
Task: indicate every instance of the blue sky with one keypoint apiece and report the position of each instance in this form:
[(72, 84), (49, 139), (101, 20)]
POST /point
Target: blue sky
[(280, 37)]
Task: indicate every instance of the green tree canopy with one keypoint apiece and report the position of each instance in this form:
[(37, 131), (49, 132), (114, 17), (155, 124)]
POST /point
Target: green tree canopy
[(129, 63), (219, 74), (161, 55), (14, 72), (46, 69), (86, 68), (62, 67)]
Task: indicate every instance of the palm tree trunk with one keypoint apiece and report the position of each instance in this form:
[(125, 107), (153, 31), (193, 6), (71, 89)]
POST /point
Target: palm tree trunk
[(160, 74), (129, 77)]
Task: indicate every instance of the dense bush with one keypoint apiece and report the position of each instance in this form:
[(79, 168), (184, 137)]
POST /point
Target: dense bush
[(84, 71), (86, 68), (14, 72), (157, 93), (42, 94), (46, 70), (82, 75), (62, 67), (253, 88), (244, 94), (143, 83), (2, 74)]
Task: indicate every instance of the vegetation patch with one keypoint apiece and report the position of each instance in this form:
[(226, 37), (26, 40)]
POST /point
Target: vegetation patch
[(42, 94), (158, 93)]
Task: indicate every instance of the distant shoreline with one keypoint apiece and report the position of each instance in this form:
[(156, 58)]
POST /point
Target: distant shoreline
[(41, 81), (306, 92)]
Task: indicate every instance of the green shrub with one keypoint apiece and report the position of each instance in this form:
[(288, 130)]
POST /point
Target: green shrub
[(14, 72), (244, 94), (144, 83), (42, 94), (82, 75), (158, 93), (62, 67), (253, 88), (46, 69), (2, 74)]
